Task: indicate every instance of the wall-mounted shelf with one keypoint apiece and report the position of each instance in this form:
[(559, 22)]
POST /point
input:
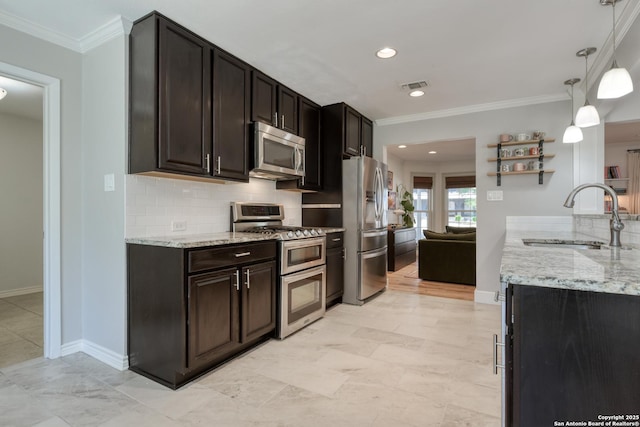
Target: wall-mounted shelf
[(617, 179), (528, 142), (521, 172), (540, 157), (495, 159)]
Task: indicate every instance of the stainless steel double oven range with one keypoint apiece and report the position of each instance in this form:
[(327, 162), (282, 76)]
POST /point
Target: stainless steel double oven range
[(302, 274)]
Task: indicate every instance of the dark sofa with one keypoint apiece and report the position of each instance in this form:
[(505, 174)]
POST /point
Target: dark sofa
[(448, 257)]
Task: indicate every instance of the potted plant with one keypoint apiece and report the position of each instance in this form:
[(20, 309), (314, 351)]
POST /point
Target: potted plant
[(406, 201)]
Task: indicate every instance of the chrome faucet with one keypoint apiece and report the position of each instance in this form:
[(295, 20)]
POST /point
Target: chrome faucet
[(615, 224)]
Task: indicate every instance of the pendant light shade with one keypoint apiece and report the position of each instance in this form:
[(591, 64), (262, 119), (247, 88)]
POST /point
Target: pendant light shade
[(587, 115), (616, 82), (573, 133)]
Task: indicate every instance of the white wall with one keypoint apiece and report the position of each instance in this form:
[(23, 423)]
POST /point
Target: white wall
[(104, 296), (153, 203), (28, 52), (396, 165), (522, 194), (21, 212)]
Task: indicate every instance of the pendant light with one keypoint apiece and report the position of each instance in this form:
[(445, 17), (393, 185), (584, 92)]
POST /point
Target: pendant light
[(573, 133), (616, 82), (587, 115)]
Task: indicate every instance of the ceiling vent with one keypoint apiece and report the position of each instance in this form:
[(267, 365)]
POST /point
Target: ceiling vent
[(414, 85)]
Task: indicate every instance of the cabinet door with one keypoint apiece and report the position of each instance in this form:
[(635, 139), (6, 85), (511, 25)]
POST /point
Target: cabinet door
[(309, 129), (367, 136), (258, 300), (352, 133), (575, 355), (335, 273), (214, 327), (263, 98), (231, 99), (184, 79), (287, 110)]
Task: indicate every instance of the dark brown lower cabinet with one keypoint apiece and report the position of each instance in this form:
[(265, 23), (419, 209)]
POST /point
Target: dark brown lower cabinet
[(571, 356), (401, 243), (335, 268), (192, 309)]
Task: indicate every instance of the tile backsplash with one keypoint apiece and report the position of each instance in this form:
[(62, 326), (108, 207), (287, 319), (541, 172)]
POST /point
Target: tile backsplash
[(154, 203), (598, 227)]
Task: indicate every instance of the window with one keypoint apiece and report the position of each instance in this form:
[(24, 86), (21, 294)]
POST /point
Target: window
[(422, 186), (461, 201)]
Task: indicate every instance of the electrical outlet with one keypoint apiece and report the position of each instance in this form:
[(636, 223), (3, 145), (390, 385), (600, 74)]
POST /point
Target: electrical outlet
[(178, 225)]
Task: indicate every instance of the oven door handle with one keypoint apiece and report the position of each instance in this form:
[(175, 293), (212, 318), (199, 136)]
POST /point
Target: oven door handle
[(248, 279)]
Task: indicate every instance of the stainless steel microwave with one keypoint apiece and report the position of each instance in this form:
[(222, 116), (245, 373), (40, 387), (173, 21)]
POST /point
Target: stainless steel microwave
[(278, 155)]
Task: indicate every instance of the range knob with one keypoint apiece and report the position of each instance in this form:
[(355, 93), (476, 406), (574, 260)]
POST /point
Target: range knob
[(298, 233), (305, 232), (314, 232), (290, 234), (320, 232)]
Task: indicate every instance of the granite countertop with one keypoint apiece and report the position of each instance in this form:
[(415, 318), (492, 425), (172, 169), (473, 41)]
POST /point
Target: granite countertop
[(608, 270), (199, 240)]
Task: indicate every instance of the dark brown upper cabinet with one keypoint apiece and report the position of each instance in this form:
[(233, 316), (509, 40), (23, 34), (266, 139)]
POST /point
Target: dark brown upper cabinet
[(309, 114), (189, 104), (170, 99), (273, 103), (352, 132), (355, 130), (231, 109), (366, 133)]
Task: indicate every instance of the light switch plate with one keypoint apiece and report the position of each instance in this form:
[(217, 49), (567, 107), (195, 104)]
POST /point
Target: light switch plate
[(494, 195), (109, 182)]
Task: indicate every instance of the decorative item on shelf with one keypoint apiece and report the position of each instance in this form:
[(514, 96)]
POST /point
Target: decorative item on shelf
[(573, 133), (587, 115), (389, 180), (406, 201), (616, 82), (505, 156)]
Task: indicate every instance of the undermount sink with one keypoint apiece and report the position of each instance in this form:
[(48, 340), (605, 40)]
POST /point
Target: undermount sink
[(557, 243)]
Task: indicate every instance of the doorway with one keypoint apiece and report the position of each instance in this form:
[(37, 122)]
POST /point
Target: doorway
[(50, 204)]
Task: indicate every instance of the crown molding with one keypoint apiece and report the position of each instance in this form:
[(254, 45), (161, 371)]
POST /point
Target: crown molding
[(116, 27), (478, 108), (38, 31), (112, 29)]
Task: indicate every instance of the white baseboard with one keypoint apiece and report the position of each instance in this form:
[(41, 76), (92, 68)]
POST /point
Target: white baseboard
[(485, 297), (21, 291), (109, 357)]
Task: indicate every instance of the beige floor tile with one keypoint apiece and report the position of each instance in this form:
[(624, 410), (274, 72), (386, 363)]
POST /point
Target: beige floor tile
[(18, 351), (32, 302)]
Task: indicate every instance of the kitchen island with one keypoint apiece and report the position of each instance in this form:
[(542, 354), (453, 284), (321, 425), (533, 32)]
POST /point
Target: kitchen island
[(571, 324)]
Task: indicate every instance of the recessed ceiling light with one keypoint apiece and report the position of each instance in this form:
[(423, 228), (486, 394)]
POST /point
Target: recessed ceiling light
[(432, 152), (416, 93), (402, 146), (3, 93), (386, 53)]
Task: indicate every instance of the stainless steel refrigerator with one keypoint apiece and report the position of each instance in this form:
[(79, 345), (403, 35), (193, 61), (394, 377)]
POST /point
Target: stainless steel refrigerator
[(364, 216)]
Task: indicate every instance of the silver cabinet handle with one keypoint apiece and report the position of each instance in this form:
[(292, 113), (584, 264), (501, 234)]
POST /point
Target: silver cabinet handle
[(219, 161), (496, 344), (207, 160), (499, 296), (344, 254), (242, 254), (237, 274), (282, 124), (275, 119), (248, 280), (337, 239)]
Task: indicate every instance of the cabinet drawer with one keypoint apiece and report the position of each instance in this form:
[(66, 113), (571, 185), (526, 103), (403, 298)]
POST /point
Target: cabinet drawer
[(403, 248), (335, 240), (207, 259), (405, 235)]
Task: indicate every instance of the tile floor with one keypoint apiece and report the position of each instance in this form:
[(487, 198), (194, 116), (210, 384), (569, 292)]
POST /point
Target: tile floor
[(21, 327), (401, 360)]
